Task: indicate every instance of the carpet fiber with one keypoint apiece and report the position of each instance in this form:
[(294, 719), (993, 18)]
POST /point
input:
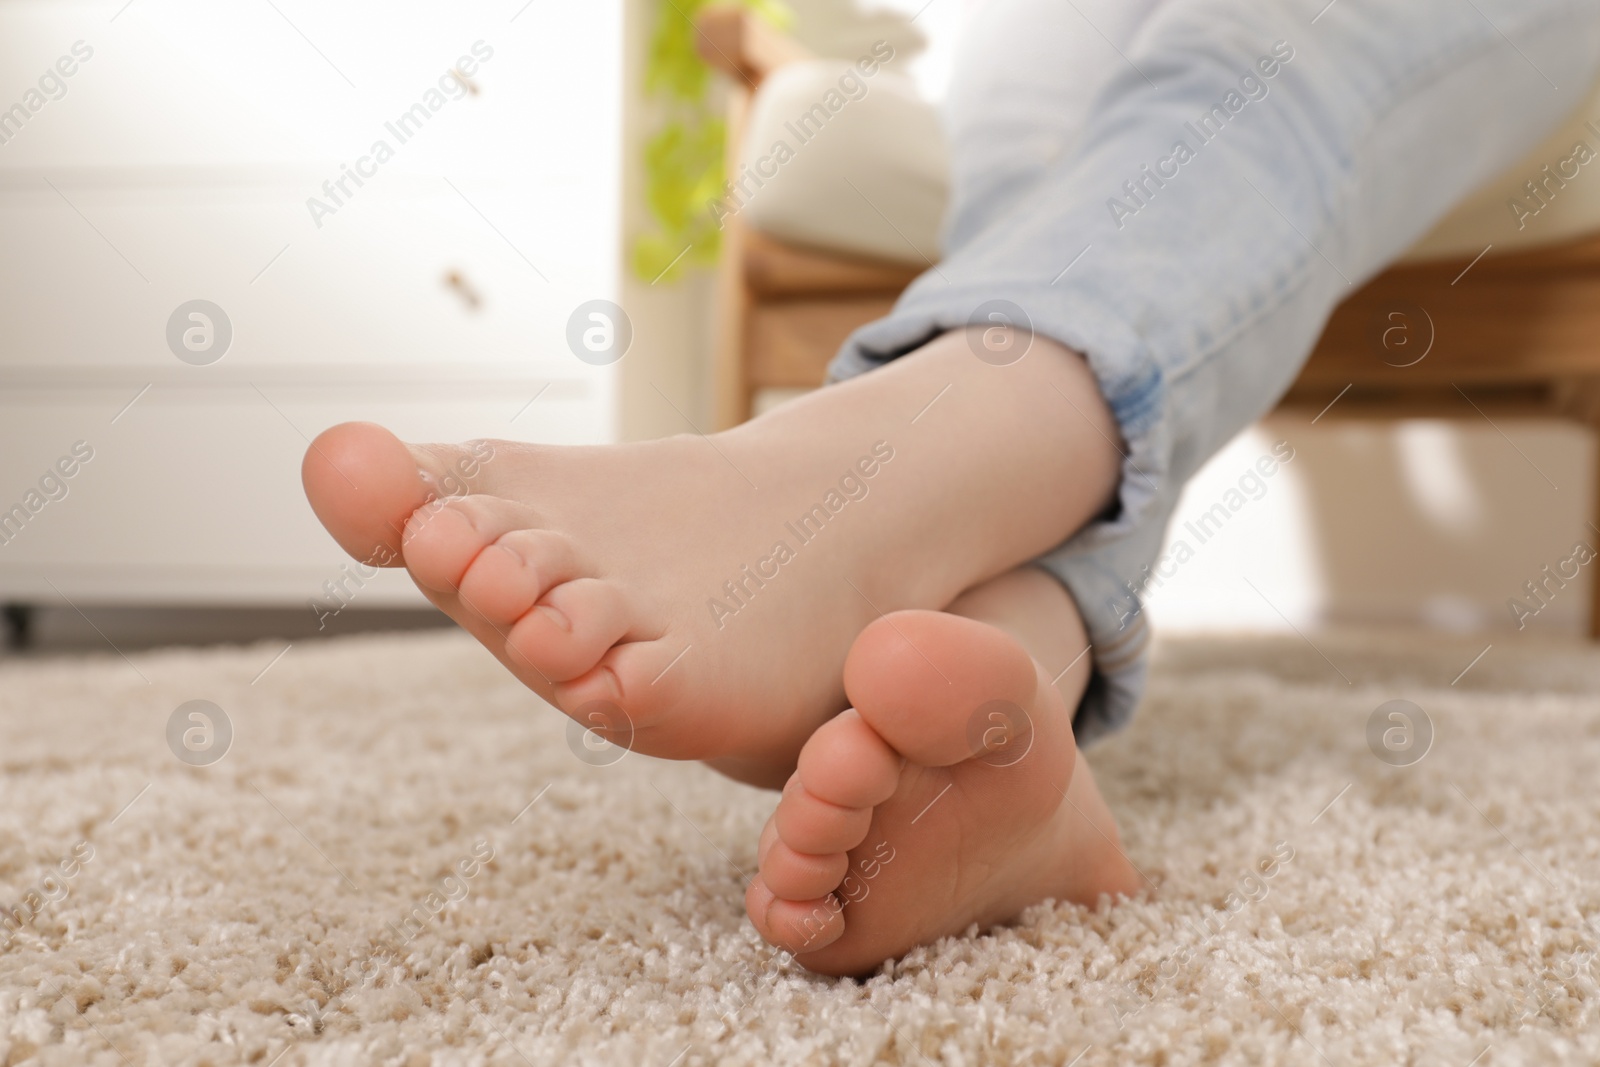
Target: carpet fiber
[(325, 893)]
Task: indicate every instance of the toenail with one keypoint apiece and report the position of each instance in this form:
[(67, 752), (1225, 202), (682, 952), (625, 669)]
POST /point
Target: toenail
[(555, 616), (513, 553)]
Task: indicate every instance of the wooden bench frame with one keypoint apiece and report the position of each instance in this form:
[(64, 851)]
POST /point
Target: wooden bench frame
[(1513, 335)]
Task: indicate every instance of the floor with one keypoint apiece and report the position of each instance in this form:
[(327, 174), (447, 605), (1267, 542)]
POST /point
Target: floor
[(39, 629), (381, 849)]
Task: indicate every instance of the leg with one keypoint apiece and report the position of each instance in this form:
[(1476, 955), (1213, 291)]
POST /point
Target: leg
[(698, 596), (1190, 337), (1025, 75), (1239, 177), (952, 794)]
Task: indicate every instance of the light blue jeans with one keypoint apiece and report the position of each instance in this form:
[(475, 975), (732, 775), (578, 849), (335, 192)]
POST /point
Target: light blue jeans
[(1318, 142)]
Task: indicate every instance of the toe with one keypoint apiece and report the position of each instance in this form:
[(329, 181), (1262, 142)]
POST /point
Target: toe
[(816, 828), (794, 875), (571, 627), (363, 483), (645, 680), (802, 926), (445, 536), (846, 763), (936, 717), (505, 580)]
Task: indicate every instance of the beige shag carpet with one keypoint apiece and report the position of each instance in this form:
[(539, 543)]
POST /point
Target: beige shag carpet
[(323, 893)]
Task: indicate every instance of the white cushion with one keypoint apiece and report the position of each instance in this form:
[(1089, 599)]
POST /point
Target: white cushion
[(870, 175), (1486, 217)]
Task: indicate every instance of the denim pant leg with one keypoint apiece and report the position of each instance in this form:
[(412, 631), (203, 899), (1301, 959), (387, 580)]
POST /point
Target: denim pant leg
[(1025, 73), (1254, 163)]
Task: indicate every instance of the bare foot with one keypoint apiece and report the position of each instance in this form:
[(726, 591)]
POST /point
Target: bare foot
[(694, 598), (951, 794)]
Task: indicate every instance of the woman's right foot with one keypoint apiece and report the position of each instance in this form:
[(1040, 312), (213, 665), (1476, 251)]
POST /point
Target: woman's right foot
[(694, 598), (951, 795)]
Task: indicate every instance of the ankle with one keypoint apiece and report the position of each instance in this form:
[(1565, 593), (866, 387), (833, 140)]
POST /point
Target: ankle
[(1004, 462)]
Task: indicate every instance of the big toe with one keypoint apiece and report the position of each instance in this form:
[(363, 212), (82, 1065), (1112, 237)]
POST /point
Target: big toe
[(363, 483), (934, 685)]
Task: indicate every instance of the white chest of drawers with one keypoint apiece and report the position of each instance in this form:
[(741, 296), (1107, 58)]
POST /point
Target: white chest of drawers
[(176, 162)]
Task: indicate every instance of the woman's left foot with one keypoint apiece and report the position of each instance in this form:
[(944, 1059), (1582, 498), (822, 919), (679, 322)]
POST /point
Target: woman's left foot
[(951, 795), (654, 593)]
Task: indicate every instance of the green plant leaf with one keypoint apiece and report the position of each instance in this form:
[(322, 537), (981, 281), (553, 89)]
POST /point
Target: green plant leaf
[(684, 160)]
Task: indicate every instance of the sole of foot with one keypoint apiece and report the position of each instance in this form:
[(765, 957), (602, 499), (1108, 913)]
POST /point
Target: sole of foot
[(951, 795)]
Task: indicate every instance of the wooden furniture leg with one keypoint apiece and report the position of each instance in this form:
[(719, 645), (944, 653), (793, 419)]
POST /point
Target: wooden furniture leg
[(732, 395), (733, 40)]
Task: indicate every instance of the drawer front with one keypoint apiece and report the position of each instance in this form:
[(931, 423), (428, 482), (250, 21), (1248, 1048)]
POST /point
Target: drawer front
[(230, 154)]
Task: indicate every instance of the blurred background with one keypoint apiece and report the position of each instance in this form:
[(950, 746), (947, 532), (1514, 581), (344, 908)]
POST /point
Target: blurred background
[(196, 153)]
